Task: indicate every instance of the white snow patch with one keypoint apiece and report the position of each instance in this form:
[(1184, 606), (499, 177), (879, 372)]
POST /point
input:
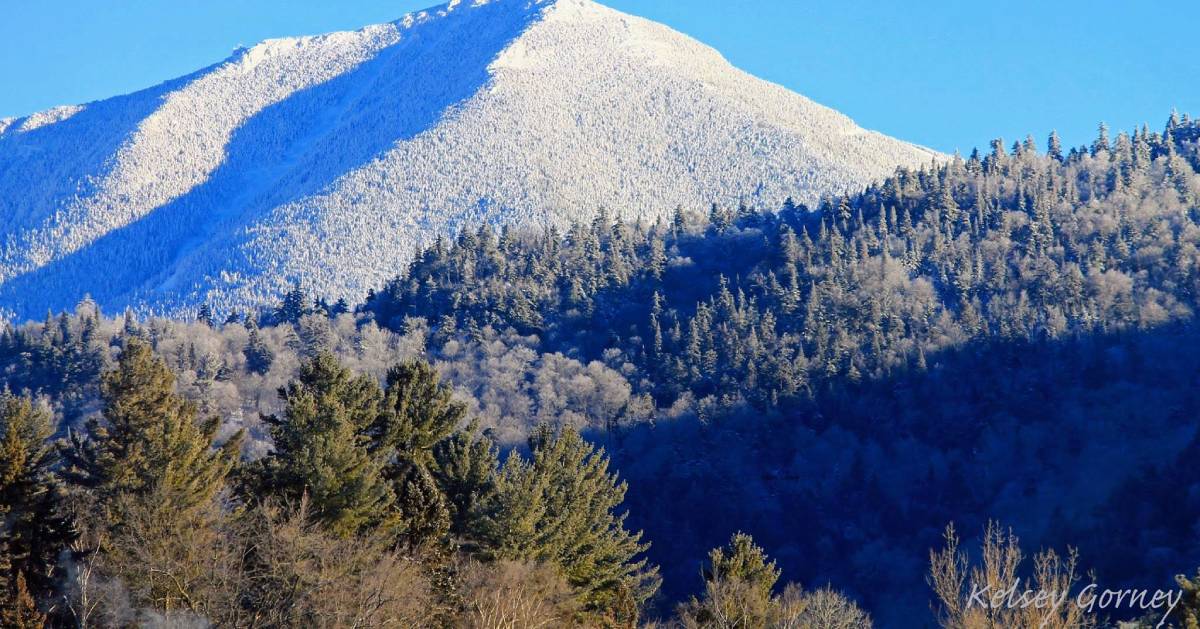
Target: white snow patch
[(330, 159), (49, 116)]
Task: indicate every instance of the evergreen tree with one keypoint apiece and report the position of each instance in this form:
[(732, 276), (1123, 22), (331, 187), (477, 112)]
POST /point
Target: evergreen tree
[(322, 451), (205, 315), (1054, 147), (293, 307), (560, 507), (148, 438), (258, 355), (464, 468), (423, 516), (1101, 144), (33, 529), (742, 560), (738, 584), (417, 413)]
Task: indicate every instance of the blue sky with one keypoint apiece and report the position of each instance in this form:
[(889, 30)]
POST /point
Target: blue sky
[(945, 74)]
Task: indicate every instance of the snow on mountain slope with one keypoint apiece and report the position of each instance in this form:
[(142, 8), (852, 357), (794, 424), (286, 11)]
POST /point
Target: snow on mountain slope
[(327, 160)]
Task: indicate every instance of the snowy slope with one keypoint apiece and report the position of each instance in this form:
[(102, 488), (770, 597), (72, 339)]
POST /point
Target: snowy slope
[(327, 160)]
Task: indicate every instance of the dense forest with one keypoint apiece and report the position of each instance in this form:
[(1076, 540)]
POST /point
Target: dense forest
[(562, 425)]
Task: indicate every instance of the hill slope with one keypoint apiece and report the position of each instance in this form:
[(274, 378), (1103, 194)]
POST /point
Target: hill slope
[(328, 160)]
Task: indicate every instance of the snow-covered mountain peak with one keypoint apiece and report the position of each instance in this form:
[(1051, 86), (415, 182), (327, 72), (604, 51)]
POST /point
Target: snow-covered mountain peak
[(326, 160)]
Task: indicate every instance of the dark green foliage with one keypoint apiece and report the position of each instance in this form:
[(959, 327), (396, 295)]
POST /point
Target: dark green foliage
[(321, 448), (386, 471), (33, 529), (258, 355), (561, 507), (418, 412), (205, 315), (423, 509), (61, 358), (464, 466), (294, 306), (148, 438)]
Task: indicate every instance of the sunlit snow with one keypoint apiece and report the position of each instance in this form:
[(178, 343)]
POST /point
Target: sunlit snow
[(327, 160)]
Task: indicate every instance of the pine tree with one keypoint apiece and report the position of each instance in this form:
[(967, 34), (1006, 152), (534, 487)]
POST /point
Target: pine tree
[(1101, 144), (34, 529), (657, 263), (742, 560), (20, 611), (293, 307), (418, 412), (130, 327), (322, 451), (423, 517), (1054, 147), (560, 507), (148, 438), (738, 583), (464, 468), (205, 315), (258, 355)]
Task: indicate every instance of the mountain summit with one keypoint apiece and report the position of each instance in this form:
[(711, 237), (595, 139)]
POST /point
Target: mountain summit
[(327, 160)]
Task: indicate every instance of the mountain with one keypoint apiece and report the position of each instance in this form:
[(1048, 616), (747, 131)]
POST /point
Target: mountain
[(327, 161)]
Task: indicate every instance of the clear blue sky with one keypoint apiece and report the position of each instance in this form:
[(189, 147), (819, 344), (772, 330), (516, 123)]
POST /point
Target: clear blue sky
[(950, 74)]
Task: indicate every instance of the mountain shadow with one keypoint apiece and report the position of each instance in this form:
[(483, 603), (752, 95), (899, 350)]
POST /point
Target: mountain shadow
[(301, 144), (1084, 442)]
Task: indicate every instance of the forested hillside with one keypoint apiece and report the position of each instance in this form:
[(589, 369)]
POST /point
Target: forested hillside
[(1008, 336), (1002, 337)]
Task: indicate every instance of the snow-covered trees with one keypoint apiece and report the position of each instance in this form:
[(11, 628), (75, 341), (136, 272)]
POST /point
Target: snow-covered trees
[(854, 377), (331, 160)]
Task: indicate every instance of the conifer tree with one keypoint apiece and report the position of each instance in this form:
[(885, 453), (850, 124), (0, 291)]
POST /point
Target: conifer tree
[(464, 468), (1101, 144), (417, 413), (205, 315), (423, 517), (561, 507), (738, 583), (148, 438), (258, 355), (33, 529), (743, 560), (322, 451), (293, 307)]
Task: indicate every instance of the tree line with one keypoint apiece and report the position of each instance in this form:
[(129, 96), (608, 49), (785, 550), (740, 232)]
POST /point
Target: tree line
[(840, 381)]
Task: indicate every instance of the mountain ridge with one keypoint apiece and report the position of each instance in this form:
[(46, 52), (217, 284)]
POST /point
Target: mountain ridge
[(327, 160)]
